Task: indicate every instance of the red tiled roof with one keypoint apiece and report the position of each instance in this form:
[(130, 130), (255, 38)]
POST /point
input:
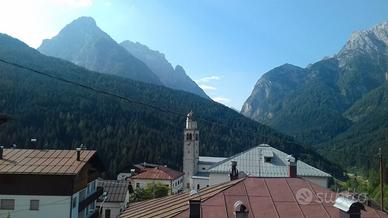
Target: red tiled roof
[(43, 162), (159, 173), (264, 197)]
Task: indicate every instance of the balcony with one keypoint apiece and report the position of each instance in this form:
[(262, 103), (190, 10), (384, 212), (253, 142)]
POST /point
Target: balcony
[(84, 203)]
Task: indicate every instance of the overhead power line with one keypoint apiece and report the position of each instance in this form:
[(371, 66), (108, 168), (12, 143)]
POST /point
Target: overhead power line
[(131, 101)]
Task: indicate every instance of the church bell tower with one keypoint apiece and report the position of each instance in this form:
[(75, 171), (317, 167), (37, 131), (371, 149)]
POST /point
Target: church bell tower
[(190, 151)]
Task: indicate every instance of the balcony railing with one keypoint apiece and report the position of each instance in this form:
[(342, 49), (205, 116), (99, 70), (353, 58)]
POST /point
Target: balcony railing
[(84, 203)]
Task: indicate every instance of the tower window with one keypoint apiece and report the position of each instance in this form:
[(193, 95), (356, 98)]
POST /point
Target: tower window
[(196, 137), (198, 186)]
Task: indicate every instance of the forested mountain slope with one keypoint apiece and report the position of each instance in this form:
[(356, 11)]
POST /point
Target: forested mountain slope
[(61, 115), (310, 103)]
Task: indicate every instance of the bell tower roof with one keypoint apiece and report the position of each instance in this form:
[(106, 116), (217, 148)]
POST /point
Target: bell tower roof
[(190, 123)]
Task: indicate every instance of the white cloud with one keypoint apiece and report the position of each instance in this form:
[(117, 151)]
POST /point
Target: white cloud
[(222, 100), (207, 87), (208, 79)]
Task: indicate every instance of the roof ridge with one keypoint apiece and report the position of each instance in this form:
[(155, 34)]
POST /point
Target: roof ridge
[(236, 155)]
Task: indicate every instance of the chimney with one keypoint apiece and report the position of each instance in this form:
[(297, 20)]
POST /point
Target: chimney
[(78, 154), (1, 152), (33, 143), (234, 173), (240, 210), (195, 208), (292, 169), (348, 207)]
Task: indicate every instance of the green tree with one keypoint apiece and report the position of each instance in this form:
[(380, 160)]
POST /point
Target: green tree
[(152, 190)]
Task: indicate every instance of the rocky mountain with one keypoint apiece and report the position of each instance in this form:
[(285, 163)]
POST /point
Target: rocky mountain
[(85, 44), (61, 115), (330, 98), (175, 78)]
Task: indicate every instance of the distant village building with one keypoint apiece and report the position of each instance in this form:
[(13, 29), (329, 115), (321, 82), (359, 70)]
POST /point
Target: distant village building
[(136, 169), (37, 183), (116, 198), (255, 197), (160, 174), (262, 161)]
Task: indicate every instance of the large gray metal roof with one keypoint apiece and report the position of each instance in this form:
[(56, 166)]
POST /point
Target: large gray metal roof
[(252, 163), (209, 160)]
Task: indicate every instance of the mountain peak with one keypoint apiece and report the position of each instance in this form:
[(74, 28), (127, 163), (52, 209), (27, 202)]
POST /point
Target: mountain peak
[(171, 77), (86, 25), (368, 41), (85, 44), (84, 21)]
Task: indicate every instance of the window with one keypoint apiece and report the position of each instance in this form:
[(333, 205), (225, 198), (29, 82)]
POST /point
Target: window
[(189, 136), (74, 202), (34, 204), (268, 159), (7, 204), (107, 213), (82, 195), (196, 137), (93, 185), (198, 186), (137, 185)]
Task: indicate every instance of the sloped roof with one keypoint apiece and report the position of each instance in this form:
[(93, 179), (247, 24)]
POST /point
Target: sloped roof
[(116, 190), (159, 173), (210, 160), (172, 205), (43, 162), (251, 162), (264, 197)]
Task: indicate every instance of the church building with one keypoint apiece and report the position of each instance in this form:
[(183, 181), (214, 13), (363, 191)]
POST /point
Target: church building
[(195, 167), (260, 161)]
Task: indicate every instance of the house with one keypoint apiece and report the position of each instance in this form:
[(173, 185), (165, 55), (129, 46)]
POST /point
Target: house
[(37, 183), (160, 174), (115, 198), (262, 161), (136, 169), (255, 197)]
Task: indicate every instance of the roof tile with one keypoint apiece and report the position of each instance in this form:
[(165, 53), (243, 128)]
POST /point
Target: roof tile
[(217, 201), (43, 162), (159, 173)]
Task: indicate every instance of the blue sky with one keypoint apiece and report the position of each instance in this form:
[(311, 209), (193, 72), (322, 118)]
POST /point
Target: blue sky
[(224, 45)]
